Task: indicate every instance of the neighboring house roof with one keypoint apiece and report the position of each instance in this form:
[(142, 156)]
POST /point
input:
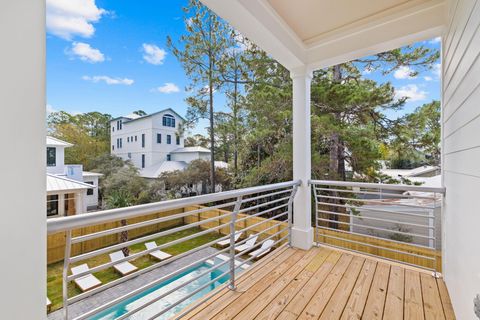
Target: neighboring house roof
[(91, 174), (59, 183), (166, 166), (54, 142), (407, 173), (133, 117), (191, 149)]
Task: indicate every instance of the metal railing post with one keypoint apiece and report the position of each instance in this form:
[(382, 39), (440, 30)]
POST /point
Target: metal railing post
[(238, 204), (290, 214), (315, 212), (66, 262)]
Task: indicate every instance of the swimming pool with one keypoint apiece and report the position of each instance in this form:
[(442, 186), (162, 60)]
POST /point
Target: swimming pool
[(163, 287)]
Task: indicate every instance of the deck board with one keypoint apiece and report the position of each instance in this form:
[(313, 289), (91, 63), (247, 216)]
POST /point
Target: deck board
[(396, 289), (328, 284)]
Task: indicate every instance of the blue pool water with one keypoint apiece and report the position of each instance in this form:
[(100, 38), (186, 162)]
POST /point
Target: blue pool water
[(156, 291)]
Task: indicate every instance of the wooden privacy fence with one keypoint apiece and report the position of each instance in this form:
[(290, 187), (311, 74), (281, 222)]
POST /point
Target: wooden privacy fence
[(56, 241), (262, 224), (398, 256)]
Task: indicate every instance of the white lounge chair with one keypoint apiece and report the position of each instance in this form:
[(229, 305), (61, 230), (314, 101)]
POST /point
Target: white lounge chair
[(124, 267), (226, 242), (157, 254), (86, 282), (266, 247), (248, 244)]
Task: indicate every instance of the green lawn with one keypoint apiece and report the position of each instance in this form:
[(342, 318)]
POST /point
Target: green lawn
[(54, 271)]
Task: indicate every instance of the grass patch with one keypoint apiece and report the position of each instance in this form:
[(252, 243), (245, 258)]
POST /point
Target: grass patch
[(54, 271)]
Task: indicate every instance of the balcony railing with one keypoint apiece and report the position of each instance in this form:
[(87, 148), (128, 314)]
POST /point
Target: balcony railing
[(396, 222), (264, 211)]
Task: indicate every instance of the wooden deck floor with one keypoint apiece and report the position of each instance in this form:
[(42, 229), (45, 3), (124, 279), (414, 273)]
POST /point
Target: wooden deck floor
[(325, 283)]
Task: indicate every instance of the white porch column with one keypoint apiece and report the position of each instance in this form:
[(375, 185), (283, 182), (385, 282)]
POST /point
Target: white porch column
[(302, 231)]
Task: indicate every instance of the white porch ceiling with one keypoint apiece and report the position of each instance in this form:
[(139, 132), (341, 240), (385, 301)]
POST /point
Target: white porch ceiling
[(319, 33)]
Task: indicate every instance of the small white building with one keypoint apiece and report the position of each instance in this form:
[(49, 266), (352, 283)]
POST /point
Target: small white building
[(70, 190), (154, 143)]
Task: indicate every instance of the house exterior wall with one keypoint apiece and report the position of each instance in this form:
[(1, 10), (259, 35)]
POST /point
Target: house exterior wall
[(91, 201), (461, 151), (190, 156), (22, 92), (149, 126)]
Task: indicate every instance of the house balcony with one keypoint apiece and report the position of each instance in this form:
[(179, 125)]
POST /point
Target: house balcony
[(375, 256)]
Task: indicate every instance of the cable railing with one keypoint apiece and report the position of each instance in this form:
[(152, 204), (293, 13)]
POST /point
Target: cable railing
[(395, 222), (262, 216)]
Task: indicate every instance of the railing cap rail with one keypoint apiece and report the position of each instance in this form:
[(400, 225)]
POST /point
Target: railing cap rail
[(55, 225), (399, 187)]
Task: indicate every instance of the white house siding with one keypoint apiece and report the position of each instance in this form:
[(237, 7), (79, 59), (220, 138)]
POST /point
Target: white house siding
[(190, 156), (461, 146), (150, 126), (92, 199)]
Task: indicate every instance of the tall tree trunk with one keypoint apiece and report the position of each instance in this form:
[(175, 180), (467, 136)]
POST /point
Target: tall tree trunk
[(334, 163), (124, 238), (235, 129), (341, 161)]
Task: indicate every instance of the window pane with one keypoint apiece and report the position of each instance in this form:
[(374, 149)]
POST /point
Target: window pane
[(51, 156)]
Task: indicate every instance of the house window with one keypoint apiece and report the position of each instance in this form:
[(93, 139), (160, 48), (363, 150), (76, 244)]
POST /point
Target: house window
[(169, 139), (121, 143), (51, 157), (143, 140), (129, 155), (143, 161), (113, 147), (168, 121), (128, 139), (113, 129), (69, 204), (52, 205), (119, 125), (178, 140), (89, 191), (169, 157), (159, 138), (135, 138)]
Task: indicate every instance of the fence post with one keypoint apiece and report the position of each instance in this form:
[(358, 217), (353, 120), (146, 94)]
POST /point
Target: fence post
[(290, 211), (238, 204)]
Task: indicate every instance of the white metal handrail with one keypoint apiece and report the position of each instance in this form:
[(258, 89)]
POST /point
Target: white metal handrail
[(402, 215), (273, 201)]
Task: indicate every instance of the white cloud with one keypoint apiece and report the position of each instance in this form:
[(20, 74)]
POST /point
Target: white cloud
[(69, 18), (428, 78), (167, 88), (412, 92), (86, 53), (404, 72), (435, 40), (153, 54), (50, 109), (108, 80)]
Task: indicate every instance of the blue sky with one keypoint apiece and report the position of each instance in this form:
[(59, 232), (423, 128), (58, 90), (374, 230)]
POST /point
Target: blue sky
[(111, 56)]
